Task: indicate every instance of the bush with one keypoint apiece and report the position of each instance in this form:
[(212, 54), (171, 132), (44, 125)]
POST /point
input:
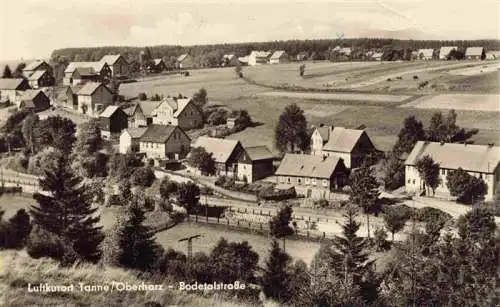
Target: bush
[(42, 243), (279, 195), (380, 239), (225, 182), (429, 214), (389, 79), (142, 96), (42, 161), (143, 176), (399, 78), (423, 84), (415, 77)]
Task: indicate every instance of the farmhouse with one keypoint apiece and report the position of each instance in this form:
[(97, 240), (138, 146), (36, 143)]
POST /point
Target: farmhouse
[(178, 112), (97, 68), (157, 66), (117, 64), (66, 98), (444, 52), (229, 60), (475, 53), (93, 98), (37, 65), (129, 139), (301, 56), (164, 142), (278, 57), (478, 160), (254, 163), (352, 145), (41, 78), (82, 75), (112, 121), (185, 61), (258, 58), (35, 100), (225, 153), (425, 54), (140, 114), (313, 176), (9, 88), (493, 55)]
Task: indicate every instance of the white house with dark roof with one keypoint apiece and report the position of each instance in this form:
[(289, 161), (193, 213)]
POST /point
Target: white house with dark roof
[(254, 163), (475, 53), (445, 51), (184, 61), (278, 57), (93, 98), (478, 160), (129, 139), (164, 142), (95, 69), (313, 176), (180, 112), (354, 146)]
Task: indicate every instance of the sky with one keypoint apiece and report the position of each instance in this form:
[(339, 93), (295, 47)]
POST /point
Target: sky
[(33, 28)]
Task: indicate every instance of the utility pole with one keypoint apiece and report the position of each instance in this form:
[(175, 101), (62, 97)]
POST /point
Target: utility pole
[(189, 250)]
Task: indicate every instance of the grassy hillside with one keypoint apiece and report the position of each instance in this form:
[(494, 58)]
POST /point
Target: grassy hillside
[(17, 270)]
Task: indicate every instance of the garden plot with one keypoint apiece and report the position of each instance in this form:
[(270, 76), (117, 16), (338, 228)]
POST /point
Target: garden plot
[(470, 102)]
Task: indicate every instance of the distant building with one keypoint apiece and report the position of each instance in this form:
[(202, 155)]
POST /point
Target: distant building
[(140, 114), (100, 70), (41, 78), (164, 142), (118, 65), (83, 75), (37, 65), (225, 153), (254, 163), (279, 57), (10, 87), (157, 66), (93, 98), (229, 60), (313, 176), (112, 121), (444, 52), (129, 139), (425, 54), (185, 61), (178, 112), (65, 97), (475, 53), (301, 56), (480, 161), (352, 145), (493, 55), (377, 56), (258, 58), (35, 100), (243, 60)]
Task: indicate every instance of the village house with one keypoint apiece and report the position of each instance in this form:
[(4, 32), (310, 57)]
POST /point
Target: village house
[(93, 98), (243, 60), (35, 100), (301, 56), (37, 65), (112, 121), (475, 53), (65, 97), (425, 54), (184, 61), (480, 161), (129, 139), (180, 112), (140, 114), (161, 142), (444, 52), (83, 75), (279, 57), (157, 66), (352, 145), (225, 153), (118, 65), (258, 58), (254, 163), (229, 60), (10, 87), (99, 70), (41, 78), (377, 56), (312, 176), (493, 55)]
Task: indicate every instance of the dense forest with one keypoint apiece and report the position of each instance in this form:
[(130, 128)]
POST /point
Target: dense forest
[(205, 55)]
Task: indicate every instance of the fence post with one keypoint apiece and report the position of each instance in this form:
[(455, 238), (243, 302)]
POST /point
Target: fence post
[(249, 224)]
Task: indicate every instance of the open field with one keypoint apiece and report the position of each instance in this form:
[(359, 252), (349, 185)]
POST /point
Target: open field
[(477, 70), (339, 96), (477, 102), (297, 249)]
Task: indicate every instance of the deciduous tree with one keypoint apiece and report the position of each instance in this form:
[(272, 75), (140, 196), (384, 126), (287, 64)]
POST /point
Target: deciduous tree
[(412, 131), (364, 192), (279, 225), (394, 220), (291, 130), (465, 187), (428, 171)]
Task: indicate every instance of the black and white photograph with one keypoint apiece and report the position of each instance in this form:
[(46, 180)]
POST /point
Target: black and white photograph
[(258, 153)]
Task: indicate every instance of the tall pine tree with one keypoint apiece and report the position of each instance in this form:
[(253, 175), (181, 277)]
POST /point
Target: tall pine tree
[(276, 280), (65, 211)]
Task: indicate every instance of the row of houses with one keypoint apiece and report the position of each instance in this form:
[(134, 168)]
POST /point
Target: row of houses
[(110, 66), (18, 92)]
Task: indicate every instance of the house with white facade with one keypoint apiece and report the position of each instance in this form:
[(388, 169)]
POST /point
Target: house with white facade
[(425, 54), (258, 58), (445, 51), (279, 57), (481, 161), (180, 112)]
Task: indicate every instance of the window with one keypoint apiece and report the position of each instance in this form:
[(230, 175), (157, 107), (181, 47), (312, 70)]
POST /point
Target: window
[(308, 180), (443, 171), (325, 182), (480, 176), (288, 179), (413, 181), (409, 181), (299, 181), (313, 181)]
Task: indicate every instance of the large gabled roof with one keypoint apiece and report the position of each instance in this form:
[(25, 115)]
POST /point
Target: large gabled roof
[(257, 153), (299, 165), (221, 149), (474, 51), (10, 83), (445, 50), (137, 132), (474, 158), (97, 66), (157, 133), (30, 94), (111, 59), (427, 53), (34, 65), (90, 87), (109, 111), (277, 54), (342, 139), (182, 57)]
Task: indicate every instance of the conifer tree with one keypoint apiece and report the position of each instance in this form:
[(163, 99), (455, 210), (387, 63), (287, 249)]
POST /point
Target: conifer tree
[(364, 192), (280, 224), (65, 211), (137, 246), (276, 280), (7, 73), (19, 227)]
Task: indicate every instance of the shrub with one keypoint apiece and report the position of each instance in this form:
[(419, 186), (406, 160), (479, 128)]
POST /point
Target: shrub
[(389, 79), (399, 78), (429, 214), (423, 84), (322, 203), (142, 96), (279, 195), (42, 243), (42, 161), (143, 176), (415, 77), (380, 239)]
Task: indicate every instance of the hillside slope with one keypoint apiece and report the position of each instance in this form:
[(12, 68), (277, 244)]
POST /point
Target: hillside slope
[(18, 270)]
